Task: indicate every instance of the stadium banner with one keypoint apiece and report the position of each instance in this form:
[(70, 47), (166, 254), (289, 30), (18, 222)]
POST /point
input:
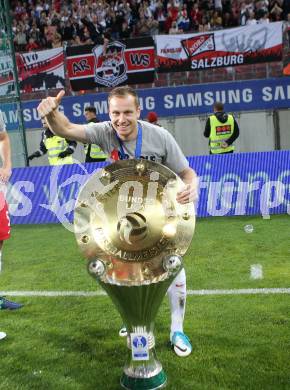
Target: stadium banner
[(6, 74), (129, 61), (286, 57), (41, 70), (216, 49), (267, 94), (231, 184)]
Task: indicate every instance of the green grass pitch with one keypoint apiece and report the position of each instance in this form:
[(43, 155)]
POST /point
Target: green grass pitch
[(240, 342)]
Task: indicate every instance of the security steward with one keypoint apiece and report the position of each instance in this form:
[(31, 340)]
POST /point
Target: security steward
[(222, 130), (59, 150), (93, 152)]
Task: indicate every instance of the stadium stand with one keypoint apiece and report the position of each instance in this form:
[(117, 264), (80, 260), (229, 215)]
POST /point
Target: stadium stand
[(88, 21), (46, 24)]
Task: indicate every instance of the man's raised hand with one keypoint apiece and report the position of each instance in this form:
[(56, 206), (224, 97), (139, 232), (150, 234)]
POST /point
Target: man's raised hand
[(49, 104)]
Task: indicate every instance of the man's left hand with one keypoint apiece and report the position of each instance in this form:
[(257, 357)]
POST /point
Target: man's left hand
[(64, 154), (224, 145), (189, 193), (5, 173)]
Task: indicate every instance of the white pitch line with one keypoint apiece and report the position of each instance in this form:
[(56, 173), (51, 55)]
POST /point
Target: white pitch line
[(242, 291), (53, 293)]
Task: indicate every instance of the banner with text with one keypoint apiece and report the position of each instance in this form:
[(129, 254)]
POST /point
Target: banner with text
[(6, 74), (215, 49), (129, 61), (190, 100), (41, 70), (236, 184)]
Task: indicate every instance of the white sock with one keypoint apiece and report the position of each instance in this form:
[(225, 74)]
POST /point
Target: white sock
[(177, 300)]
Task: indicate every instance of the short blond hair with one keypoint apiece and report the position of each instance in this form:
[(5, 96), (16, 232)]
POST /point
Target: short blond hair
[(123, 92)]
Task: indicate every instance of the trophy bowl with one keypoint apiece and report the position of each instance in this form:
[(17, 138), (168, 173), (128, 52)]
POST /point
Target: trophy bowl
[(134, 235)]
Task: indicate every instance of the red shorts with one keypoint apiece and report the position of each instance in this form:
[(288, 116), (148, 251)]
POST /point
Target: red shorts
[(4, 219)]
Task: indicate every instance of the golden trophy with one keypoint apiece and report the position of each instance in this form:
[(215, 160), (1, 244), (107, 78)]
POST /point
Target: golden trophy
[(134, 234)]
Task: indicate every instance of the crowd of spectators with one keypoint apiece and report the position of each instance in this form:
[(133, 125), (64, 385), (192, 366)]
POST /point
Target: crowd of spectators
[(40, 24)]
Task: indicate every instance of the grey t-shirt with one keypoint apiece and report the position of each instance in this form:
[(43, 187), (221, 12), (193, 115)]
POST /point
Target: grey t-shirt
[(2, 123), (157, 144)]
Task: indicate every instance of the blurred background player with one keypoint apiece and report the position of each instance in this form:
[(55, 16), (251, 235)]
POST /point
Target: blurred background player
[(5, 173), (222, 130), (59, 150), (93, 152), (152, 118)]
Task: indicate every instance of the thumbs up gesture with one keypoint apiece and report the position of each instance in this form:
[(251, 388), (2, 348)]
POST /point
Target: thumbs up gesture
[(49, 104)]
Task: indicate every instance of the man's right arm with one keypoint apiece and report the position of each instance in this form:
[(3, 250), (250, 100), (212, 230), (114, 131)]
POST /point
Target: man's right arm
[(206, 132), (5, 152), (41, 151), (235, 134), (42, 147), (58, 122)]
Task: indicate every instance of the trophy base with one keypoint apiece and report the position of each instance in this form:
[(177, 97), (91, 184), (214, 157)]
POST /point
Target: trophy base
[(155, 382)]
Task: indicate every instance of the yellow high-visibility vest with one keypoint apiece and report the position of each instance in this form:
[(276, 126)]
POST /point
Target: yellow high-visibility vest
[(220, 132), (54, 146), (96, 152)]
